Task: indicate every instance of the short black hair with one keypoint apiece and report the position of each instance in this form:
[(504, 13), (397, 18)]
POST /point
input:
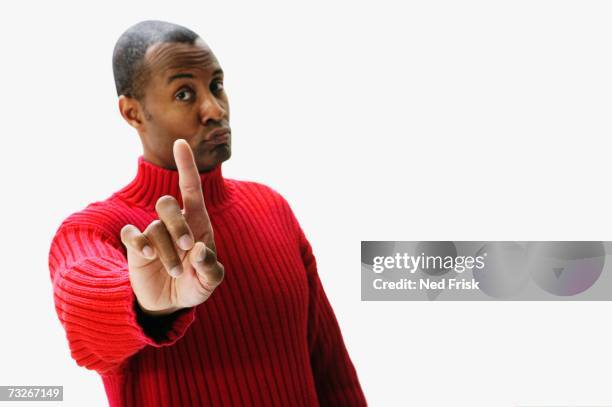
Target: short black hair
[(130, 49)]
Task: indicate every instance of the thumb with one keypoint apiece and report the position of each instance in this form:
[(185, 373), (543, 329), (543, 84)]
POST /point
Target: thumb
[(205, 263)]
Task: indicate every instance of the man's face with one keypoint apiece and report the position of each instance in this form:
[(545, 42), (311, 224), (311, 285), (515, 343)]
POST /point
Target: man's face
[(184, 98)]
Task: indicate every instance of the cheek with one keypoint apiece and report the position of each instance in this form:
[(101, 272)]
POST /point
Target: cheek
[(181, 121)]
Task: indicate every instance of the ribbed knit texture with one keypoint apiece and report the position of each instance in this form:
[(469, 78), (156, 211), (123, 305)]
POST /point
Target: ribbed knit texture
[(266, 337)]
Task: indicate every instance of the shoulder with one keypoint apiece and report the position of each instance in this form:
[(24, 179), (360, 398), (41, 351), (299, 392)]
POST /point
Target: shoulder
[(261, 192), (271, 200), (82, 234), (101, 217), (267, 199)]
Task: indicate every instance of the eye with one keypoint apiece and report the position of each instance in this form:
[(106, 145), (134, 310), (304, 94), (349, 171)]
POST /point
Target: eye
[(217, 86), (185, 95)]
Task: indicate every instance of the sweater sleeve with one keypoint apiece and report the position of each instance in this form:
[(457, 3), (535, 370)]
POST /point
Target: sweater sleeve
[(334, 374), (95, 302)]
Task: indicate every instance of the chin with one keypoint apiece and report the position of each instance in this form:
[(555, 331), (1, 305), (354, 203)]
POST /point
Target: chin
[(207, 160)]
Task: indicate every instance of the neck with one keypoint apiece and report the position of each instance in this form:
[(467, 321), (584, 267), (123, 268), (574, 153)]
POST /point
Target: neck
[(152, 182)]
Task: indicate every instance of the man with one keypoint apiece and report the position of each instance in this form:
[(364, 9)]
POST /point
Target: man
[(217, 303)]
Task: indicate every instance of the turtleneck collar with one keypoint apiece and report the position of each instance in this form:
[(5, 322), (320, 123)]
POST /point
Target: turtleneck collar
[(152, 182)]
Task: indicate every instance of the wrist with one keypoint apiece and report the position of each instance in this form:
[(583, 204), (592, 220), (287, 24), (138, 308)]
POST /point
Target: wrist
[(156, 313), (159, 325)]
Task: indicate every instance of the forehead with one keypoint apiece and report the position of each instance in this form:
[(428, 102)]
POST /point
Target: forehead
[(164, 59)]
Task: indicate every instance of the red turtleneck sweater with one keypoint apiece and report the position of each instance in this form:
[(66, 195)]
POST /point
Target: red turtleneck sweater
[(266, 337)]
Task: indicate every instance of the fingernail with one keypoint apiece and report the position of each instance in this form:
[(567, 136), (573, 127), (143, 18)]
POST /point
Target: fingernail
[(176, 271), (185, 242), (147, 251)]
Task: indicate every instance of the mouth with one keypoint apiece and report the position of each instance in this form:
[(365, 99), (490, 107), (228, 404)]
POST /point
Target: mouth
[(220, 136)]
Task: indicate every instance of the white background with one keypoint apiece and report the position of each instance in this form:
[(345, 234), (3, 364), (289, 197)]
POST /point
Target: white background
[(429, 120)]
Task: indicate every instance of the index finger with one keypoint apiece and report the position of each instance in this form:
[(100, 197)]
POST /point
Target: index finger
[(190, 185)]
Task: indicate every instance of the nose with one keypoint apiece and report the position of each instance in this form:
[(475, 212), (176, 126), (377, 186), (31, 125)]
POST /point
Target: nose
[(211, 109)]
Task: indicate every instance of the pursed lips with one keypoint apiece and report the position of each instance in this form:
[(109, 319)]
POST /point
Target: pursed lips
[(220, 136)]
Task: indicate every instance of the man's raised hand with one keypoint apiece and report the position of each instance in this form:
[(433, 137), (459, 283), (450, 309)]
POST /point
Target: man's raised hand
[(173, 262)]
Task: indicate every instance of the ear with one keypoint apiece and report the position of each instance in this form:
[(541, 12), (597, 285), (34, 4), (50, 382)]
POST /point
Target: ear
[(131, 111)]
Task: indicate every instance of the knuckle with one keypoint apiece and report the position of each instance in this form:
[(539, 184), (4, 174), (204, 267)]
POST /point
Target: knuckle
[(220, 272), (191, 187), (211, 256), (125, 232), (156, 226), (170, 262), (168, 255), (157, 233), (215, 274), (136, 242), (177, 226), (164, 202)]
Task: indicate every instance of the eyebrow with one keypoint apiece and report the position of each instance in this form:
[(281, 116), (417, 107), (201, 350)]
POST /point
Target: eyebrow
[(189, 75)]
